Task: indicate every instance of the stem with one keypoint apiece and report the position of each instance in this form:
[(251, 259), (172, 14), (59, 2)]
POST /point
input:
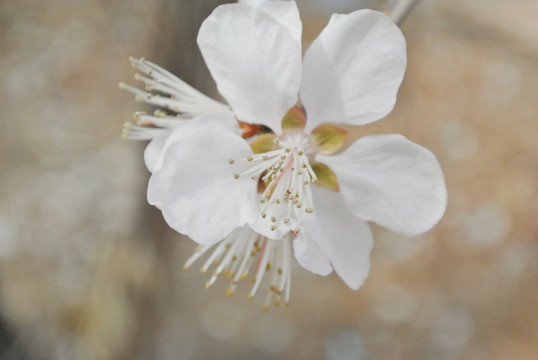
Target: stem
[(401, 9)]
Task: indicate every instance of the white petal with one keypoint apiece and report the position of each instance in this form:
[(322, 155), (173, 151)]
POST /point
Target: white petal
[(285, 12), (352, 71), (391, 181), (152, 154), (310, 256), (263, 225), (194, 186), (255, 62), (251, 2), (344, 239)]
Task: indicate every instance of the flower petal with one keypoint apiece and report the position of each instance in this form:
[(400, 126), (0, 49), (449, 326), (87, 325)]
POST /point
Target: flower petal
[(352, 71), (391, 181), (285, 12), (255, 62), (310, 256), (152, 154), (344, 239), (153, 151), (194, 186)]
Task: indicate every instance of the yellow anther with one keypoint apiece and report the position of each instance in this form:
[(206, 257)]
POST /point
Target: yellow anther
[(273, 219), (250, 158), (236, 176), (231, 161), (286, 220), (264, 215), (273, 227)]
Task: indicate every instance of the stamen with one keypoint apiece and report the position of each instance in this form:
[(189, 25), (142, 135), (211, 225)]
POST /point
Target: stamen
[(235, 256), (177, 95), (135, 132), (286, 173)]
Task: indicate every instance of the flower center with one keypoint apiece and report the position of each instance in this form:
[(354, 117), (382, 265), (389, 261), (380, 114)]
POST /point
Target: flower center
[(287, 175), (244, 250)]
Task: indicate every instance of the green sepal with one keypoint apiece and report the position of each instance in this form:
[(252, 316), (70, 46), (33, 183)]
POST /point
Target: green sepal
[(329, 138), (326, 177), (263, 143), (295, 119)]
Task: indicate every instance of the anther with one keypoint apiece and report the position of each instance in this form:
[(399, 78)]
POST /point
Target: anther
[(273, 219), (309, 210), (286, 220), (254, 177), (288, 150), (300, 153), (277, 201), (273, 227), (264, 215), (236, 176), (249, 158), (231, 161)]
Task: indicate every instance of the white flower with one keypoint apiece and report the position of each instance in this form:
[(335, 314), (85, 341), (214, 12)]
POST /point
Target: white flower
[(205, 176)]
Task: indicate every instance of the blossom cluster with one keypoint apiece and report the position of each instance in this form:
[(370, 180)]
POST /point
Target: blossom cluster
[(268, 175)]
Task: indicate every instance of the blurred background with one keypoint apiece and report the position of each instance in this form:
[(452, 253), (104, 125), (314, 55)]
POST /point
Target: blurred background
[(88, 270)]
